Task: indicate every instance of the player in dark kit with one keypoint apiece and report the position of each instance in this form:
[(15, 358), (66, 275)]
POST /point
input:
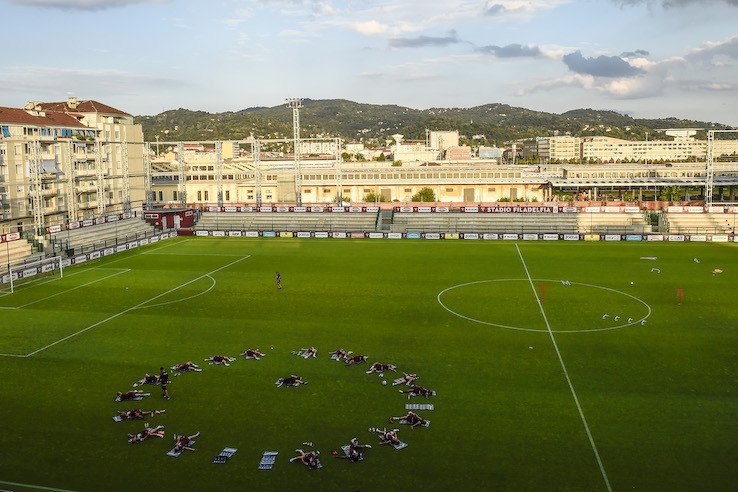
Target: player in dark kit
[(164, 379), (279, 281)]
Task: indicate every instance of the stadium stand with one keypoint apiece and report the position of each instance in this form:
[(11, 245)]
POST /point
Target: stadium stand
[(15, 252), (612, 223), (94, 237), (484, 222), (275, 221), (706, 223)]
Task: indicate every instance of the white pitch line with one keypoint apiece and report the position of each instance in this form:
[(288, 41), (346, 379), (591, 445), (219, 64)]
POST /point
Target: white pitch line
[(183, 298), (188, 254), (136, 306), (13, 355), (37, 487), (566, 373), (124, 270)]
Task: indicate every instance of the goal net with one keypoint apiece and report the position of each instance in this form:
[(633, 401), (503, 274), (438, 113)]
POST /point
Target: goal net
[(20, 274)]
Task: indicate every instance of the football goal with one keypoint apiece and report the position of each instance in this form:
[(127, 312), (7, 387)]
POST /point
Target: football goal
[(21, 274)]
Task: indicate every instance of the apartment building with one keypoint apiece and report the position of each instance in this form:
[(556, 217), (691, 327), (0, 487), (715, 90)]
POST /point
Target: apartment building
[(608, 149), (559, 148), (67, 161)]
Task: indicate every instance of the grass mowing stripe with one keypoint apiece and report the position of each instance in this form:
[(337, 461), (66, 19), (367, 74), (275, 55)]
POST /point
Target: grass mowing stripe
[(136, 306), (184, 298), (37, 487), (566, 373), (125, 270)]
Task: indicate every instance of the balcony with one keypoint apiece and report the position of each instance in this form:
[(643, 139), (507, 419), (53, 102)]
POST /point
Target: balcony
[(84, 156), (87, 205), (48, 192), (86, 172), (86, 189)]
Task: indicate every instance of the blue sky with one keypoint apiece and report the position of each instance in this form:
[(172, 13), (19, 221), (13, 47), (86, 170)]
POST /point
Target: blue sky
[(648, 58)]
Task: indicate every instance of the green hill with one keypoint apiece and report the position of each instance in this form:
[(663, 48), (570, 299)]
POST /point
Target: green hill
[(490, 124)]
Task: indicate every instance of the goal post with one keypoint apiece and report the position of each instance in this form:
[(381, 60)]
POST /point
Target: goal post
[(23, 273)]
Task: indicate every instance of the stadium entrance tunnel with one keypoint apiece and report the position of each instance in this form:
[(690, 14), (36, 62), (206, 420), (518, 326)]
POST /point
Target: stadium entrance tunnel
[(569, 306)]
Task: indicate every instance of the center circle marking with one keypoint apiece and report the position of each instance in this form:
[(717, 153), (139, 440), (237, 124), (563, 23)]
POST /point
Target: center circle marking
[(541, 280)]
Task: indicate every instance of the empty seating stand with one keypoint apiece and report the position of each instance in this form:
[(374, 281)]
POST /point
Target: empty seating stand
[(99, 236), (288, 222), (485, 222), (16, 252), (612, 223), (704, 223)]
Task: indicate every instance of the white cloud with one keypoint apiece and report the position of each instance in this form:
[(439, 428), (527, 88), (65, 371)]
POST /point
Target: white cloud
[(53, 81), (83, 4), (657, 77), (239, 17), (369, 28)]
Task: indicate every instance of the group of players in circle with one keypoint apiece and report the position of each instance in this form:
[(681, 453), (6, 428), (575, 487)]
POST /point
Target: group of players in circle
[(353, 451)]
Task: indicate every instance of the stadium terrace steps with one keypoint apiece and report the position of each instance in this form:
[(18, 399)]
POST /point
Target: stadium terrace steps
[(615, 223), (14, 252), (276, 221), (483, 222), (103, 234), (681, 223)]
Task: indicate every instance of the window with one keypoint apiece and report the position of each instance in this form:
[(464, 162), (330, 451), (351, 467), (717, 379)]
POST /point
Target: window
[(161, 196), (491, 189), (199, 196), (228, 195), (308, 190), (326, 190), (408, 190), (206, 195), (449, 190), (174, 195)]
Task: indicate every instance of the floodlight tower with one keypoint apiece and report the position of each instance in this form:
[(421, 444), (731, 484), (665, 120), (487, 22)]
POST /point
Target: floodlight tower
[(709, 172), (296, 103)]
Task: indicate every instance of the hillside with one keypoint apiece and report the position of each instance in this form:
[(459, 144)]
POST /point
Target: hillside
[(490, 124)]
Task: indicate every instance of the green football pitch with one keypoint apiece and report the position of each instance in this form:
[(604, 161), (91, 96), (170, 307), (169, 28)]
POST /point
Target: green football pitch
[(557, 366)]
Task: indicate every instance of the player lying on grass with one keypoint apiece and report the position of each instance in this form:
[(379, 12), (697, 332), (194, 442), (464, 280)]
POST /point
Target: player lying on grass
[(412, 418), (131, 395), (405, 379), (389, 437), (219, 359), (340, 354), (187, 366), (355, 451), (181, 443), (308, 352), (292, 380), (148, 379), (252, 354), (145, 433), (137, 413), (309, 459), (416, 390), (356, 359), (379, 367)]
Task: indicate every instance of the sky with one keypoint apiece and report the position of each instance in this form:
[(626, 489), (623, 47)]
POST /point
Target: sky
[(646, 58)]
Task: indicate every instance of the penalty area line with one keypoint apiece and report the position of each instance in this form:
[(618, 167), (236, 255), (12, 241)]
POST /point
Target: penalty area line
[(124, 270), (35, 487), (566, 373), (136, 306)]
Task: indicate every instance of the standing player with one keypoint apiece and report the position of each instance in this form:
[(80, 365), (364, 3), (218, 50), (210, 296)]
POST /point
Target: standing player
[(164, 379), (279, 281)]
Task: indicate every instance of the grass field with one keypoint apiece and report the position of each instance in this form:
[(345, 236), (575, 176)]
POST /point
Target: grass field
[(557, 399)]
